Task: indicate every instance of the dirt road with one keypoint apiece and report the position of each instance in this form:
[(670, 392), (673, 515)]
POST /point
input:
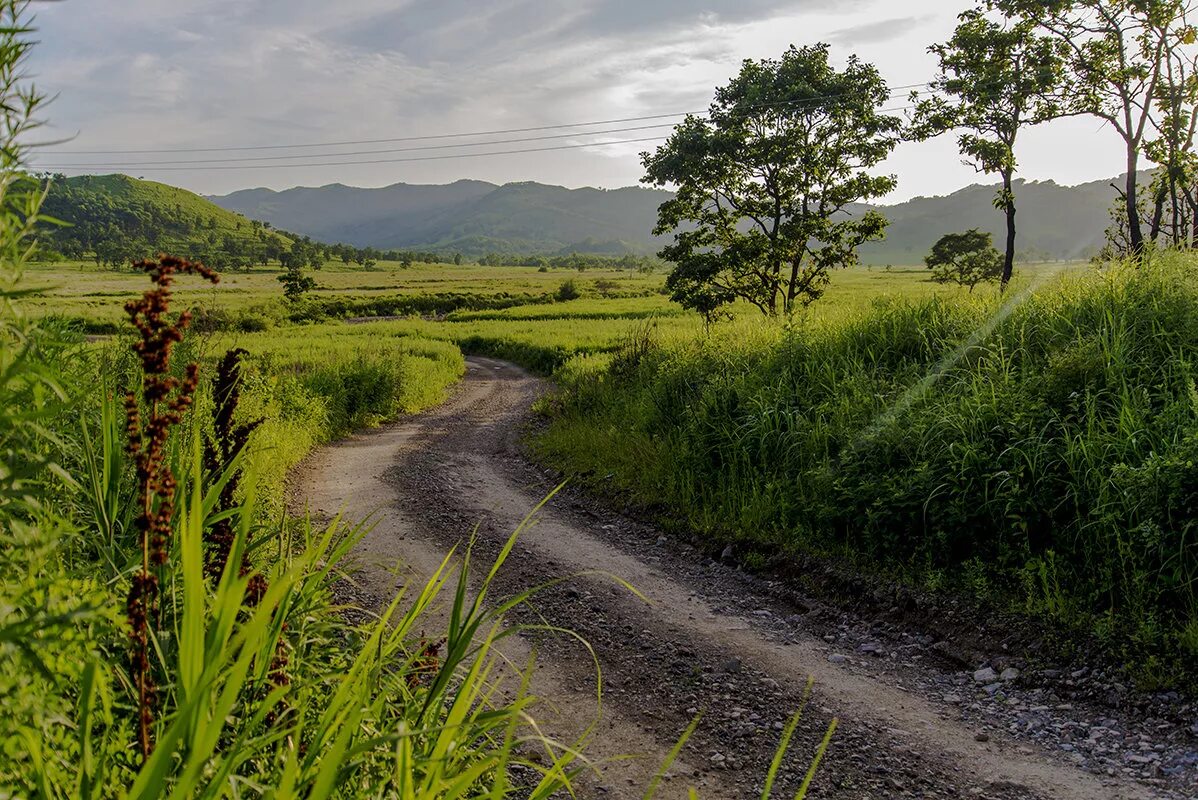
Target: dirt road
[(710, 639)]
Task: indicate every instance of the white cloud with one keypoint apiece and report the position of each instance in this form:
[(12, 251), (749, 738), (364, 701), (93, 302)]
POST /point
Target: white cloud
[(211, 73)]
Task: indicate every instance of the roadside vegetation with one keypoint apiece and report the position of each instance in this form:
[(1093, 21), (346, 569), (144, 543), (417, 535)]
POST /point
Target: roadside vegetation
[(1024, 439), (1042, 462)]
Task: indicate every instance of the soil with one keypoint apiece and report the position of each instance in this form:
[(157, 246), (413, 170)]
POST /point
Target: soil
[(701, 637)]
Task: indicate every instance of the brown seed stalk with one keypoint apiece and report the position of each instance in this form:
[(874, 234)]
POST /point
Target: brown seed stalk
[(165, 399)]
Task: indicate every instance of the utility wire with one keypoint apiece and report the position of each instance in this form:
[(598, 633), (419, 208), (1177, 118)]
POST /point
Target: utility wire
[(404, 149), (350, 163), (395, 150), (807, 100), (203, 165)]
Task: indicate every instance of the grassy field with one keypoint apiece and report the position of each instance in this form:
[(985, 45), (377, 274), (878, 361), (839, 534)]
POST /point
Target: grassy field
[(81, 291), (534, 328)]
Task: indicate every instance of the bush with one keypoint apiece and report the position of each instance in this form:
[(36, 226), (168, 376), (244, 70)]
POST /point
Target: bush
[(568, 290)]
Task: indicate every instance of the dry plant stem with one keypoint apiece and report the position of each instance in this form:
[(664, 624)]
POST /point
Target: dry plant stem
[(166, 398), (228, 440)]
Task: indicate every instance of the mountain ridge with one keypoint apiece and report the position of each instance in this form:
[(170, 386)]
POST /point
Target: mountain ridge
[(472, 217)]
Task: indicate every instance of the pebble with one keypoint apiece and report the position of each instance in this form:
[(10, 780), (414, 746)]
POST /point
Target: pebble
[(985, 675), (837, 658)]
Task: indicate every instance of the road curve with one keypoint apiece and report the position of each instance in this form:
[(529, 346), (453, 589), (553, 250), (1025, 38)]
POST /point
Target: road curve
[(708, 640)]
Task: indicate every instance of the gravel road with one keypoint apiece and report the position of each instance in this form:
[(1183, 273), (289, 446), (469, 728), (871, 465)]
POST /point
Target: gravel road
[(706, 638)]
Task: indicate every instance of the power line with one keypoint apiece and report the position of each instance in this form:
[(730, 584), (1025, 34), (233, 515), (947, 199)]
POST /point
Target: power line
[(371, 161), (185, 167), (391, 150), (400, 149), (432, 137)]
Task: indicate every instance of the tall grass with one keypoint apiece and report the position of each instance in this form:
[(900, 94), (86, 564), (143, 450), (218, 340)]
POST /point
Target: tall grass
[(1048, 462)]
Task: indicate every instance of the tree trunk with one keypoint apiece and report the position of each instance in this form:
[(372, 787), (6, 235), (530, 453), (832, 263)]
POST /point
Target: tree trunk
[(794, 280), (1134, 232), (1175, 234), (1194, 221), (1158, 213), (1008, 266)]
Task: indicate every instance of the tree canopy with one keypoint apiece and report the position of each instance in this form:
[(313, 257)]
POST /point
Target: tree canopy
[(1117, 53), (966, 259), (765, 182)]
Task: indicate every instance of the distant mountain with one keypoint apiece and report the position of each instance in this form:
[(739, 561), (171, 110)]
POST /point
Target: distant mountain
[(1053, 221), (470, 217), (474, 217)]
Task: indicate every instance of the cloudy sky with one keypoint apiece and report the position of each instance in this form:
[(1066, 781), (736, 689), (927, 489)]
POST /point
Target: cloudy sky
[(199, 77)]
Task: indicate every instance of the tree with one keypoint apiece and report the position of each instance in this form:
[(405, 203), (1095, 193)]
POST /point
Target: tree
[(1173, 148), (1115, 55), (997, 80), (295, 282), (763, 183), (966, 259)]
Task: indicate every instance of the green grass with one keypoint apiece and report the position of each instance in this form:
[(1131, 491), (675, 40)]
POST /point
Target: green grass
[(330, 382), (93, 297)]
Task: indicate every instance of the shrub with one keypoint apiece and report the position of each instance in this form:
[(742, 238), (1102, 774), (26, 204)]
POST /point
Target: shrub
[(568, 290)]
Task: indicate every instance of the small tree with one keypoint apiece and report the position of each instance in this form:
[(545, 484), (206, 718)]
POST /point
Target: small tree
[(606, 287), (765, 181), (965, 259), (296, 283), (997, 80)]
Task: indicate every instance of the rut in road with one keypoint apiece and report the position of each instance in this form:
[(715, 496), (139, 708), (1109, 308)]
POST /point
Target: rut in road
[(433, 479)]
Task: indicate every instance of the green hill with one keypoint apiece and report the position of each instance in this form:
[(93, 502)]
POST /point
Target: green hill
[(115, 219)]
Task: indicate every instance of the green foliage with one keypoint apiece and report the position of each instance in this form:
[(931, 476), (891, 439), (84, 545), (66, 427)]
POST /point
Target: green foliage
[(295, 283), (1046, 459), (1116, 63), (965, 259), (567, 291), (997, 79), (763, 180)]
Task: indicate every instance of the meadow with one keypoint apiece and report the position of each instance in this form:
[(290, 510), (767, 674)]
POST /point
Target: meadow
[(1031, 456), (254, 675)]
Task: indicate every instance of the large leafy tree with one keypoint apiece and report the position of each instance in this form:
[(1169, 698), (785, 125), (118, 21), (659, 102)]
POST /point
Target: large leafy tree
[(1116, 55), (994, 80), (765, 182)]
